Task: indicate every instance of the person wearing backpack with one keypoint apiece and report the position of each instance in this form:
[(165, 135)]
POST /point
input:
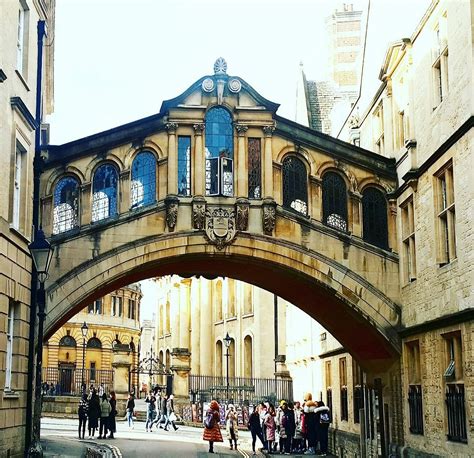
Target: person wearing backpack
[(212, 431), (82, 412), (323, 416)]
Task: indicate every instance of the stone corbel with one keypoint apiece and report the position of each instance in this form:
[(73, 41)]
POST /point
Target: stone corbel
[(172, 204), (268, 216), (199, 213), (242, 207)]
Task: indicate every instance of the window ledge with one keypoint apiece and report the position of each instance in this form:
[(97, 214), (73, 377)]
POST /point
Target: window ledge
[(219, 322), (231, 318), (10, 394), (448, 266), (248, 315)]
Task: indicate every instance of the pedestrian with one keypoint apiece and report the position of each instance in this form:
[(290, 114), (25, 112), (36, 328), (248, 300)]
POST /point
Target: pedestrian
[(323, 418), (170, 415), (150, 411), (290, 426), (104, 416), (163, 412), (255, 428), (270, 427), (101, 390), (298, 436), (212, 431), (157, 419), (93, 412), (310, 423), (130, 410), (82, 413), (112, 424), (232, 427)]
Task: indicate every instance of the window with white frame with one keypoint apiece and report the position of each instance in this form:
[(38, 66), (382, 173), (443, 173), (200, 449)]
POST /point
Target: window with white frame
[(379, 138), (446, 212), (10, 337), (440, 61), (21, 41), (117, 306), (408, 241)]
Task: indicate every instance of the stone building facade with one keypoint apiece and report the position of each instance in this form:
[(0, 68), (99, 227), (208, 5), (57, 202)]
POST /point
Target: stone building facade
[(422, 116), (111, 320), (22, 23)]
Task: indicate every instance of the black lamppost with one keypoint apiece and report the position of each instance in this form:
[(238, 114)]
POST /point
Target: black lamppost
[(42, 253), (84, 329), (227, 341)]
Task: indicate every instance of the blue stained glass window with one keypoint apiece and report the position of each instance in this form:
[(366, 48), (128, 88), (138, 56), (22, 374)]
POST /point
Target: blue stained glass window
[(184, 166), (143, 184), (66, 207), (104, 192)]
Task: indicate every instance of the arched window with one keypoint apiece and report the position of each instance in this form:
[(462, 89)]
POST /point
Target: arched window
[(219, 152), (66, 205), (143, 180), (104, 192), (67, 341), (248, 357), (295, 185), (374, 214), (132, 346), (219, 358), (94, 342), (168, 360), (334, 201)]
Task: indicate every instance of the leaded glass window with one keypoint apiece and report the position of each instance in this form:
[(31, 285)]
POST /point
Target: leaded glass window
[(184, 166), (143, 184), (67, 341), (255, 168), (219, 152), (104, 192), (295, 185), (334, 201), (94, 342), (374, 214), (66, 205)]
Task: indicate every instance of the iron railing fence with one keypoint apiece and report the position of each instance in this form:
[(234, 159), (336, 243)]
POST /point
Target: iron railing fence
[(67, 381), (239, 390), (415, 406), (455, 403)]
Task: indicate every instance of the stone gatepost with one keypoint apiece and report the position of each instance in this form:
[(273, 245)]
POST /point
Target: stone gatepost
[(121, 363), (282, 373), (181, 367)]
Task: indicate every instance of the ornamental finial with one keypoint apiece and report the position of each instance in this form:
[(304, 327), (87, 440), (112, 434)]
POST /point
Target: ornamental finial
[(220, 66)]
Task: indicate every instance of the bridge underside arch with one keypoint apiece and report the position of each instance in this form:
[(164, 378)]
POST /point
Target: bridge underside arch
[(358, 315)]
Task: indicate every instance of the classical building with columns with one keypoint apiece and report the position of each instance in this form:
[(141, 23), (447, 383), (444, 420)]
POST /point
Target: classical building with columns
[(89, 339), (195, 315)]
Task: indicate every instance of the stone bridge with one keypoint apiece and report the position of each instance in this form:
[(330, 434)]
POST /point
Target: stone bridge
[(218, 184)]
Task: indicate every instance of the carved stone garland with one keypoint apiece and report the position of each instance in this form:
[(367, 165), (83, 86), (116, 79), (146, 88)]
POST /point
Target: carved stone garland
[(199, 213), (242, 207), (268, 216), (172, 204)]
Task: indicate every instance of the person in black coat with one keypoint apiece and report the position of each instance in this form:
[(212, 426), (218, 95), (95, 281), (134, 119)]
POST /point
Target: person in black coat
[(255, 428), (309, 412), (93, 412), (113, 413), (290, 426), (82, 413)]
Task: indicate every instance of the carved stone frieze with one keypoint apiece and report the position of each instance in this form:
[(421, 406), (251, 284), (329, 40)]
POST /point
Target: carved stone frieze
[(199, 213), (242, 207), (268, 216), (172, 204), (220, 226)]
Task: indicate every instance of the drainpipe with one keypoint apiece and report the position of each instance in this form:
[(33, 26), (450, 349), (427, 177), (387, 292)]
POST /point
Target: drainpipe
[(37, 165), (275, 328)]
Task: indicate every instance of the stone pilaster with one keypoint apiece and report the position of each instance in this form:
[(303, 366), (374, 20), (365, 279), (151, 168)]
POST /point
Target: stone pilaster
[(268, 162), (171, 127), (199, 160), (242, 178)]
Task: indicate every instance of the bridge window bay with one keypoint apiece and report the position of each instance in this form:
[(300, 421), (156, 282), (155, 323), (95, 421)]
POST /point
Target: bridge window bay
[(255, 168), (334, 201), (104, 192), (219, 153), (295, 185), (143, 183), (66, 205), (374, 213), (184, 166)]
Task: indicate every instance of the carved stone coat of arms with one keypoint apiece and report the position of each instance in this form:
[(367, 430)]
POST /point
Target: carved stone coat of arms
[(220, 226)]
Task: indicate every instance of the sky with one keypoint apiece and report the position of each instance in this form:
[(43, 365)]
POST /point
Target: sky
[(117, 60)]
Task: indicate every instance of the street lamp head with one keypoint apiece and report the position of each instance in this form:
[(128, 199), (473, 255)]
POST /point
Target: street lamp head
[(227, 340), (84, 329), (42, 254)]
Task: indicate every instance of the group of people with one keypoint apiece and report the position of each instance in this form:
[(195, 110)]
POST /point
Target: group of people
[(290, 428), (160, 411), (98, 412)]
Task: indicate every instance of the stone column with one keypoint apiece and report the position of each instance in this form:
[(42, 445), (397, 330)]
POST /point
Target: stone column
[(171, 127), (199, 171), (184, 314), (205, 344), (121, 362), (124, 197), (174, 312), (268, 162), (180, 368), (195, 304), (355, 204), (242, 176), (85, 214)]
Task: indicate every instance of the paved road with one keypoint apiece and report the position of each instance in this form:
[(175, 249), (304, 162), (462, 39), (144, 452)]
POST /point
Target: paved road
[(184, 443)]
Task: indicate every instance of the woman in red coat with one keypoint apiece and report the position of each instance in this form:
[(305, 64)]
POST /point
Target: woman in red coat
[(212, 431)]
